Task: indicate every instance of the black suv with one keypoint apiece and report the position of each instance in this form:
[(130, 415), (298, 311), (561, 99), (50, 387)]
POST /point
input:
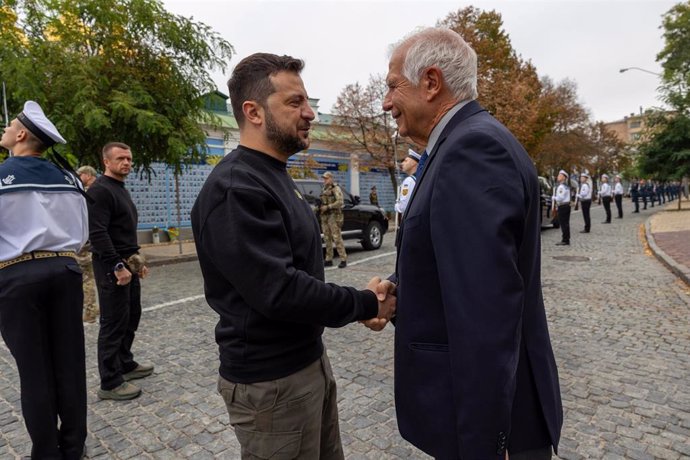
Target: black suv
[(365, 222)]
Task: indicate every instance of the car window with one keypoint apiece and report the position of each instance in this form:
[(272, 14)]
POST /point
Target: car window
[(311, 191)]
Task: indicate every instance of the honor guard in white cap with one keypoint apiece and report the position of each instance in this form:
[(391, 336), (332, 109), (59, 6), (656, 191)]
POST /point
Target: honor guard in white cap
[(44, 223), (561, 200), (585, 196), (606, 195), (618, 195), (409, 166)]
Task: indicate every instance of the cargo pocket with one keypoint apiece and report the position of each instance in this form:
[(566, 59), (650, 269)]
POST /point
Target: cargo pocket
[(278, 446)]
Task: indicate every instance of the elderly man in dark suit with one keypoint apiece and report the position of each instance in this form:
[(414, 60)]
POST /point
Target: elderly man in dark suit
[(475, 375)]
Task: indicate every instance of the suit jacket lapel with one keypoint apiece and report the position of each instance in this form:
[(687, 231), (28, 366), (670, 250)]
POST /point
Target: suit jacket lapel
[(467, 111)]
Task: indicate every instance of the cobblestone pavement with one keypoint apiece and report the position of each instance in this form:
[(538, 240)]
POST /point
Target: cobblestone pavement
[(619, 324)]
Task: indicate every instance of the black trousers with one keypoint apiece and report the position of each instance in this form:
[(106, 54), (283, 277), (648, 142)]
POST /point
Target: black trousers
[(120, 315), (564, 222), (619, 205), (40, 320), (586, 204), (537, 454), (636, 202), (606, 201)]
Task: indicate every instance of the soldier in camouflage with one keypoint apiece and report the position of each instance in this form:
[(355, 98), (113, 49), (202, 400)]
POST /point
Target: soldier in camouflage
[(88, 175), (332, 220)]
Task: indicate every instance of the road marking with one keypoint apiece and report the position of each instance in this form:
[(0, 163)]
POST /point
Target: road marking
[(361, 261), (174, 302), (199, 297)]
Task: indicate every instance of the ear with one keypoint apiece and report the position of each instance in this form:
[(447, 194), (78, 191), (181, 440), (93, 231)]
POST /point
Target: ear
[(253, 112), (432, 82), (22, 135)]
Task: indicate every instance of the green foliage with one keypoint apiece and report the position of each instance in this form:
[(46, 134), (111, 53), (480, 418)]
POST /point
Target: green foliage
[(675, 56), (666, 155), (114, 70)]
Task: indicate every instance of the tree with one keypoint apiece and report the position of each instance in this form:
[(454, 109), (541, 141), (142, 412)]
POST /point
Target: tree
[(564, 124), (665, 153), (666, 156), (607, 153), (362, 125), (675, 56), (124, 70), (509, 87)]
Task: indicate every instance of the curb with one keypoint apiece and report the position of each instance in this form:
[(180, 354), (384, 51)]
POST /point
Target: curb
[(681, 271), (154, 261)]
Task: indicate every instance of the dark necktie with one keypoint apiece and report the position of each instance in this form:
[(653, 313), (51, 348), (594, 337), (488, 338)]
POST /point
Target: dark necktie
[(420, 166)]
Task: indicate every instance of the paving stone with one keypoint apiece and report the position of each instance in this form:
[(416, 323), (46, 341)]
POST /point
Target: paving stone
[(619, 325)]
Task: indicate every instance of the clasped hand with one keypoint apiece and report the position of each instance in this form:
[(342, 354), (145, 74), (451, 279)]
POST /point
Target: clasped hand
[(385, 293)]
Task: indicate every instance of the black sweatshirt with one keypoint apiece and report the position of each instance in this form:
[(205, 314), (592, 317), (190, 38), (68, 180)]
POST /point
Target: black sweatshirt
[(112, 221), (260, 252)]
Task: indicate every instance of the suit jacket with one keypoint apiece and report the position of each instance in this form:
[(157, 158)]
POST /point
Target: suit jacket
[(474, 369)]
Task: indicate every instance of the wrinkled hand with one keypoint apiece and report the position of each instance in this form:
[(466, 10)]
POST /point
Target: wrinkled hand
[(323, 208), (144, 272), (385, 293)]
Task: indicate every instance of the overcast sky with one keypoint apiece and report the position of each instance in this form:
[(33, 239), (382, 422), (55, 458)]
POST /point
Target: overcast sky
[(345, 41)]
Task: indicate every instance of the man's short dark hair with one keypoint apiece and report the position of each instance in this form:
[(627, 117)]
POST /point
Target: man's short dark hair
[(250, 81), (111, 145), (32, 141)]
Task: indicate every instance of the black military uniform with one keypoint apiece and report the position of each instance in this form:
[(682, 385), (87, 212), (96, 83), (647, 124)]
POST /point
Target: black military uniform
[(41, 285)]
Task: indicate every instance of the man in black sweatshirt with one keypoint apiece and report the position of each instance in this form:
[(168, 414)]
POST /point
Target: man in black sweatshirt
[(260, 252), (113, 235)]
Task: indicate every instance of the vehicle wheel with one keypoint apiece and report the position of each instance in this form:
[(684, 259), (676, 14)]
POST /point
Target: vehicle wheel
[(373, 236)]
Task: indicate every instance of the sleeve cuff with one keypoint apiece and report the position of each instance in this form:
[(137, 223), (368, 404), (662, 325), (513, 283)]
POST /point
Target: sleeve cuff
[(370, 305)]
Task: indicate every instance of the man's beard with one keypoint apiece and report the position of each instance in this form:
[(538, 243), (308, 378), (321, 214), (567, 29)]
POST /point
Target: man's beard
[(282, 141)]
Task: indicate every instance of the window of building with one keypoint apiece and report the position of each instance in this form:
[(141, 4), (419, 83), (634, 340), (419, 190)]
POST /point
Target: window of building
[(635, 124), (215, 146)]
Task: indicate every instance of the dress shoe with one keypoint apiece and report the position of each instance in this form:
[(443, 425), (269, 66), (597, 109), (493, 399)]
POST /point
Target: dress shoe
[(328, 263), (562, 243), (635, 212), (584, 231), (121, 393), (606, 222), (342, 264), (139, 372)]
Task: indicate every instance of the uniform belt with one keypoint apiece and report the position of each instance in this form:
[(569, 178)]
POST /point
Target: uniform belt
[(37, 255)]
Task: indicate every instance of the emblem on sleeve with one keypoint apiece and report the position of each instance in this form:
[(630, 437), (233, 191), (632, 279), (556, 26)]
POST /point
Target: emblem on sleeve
[(8, 180)]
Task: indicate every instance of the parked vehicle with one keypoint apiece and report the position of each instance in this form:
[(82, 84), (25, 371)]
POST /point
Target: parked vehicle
[(365, 222), (545, 201)]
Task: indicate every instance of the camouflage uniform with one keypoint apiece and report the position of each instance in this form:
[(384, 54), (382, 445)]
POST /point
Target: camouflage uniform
[(90, 301), (332, 220)]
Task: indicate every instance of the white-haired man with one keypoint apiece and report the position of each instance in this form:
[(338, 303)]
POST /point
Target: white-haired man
[(475, 376)]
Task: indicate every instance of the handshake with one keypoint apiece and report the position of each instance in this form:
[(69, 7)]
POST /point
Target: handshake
[(385, 293)]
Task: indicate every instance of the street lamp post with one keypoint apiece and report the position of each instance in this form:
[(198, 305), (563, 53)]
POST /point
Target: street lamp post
[(640, 69)]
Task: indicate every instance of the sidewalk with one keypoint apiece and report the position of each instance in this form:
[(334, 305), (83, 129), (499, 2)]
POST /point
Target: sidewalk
[(668, 235)]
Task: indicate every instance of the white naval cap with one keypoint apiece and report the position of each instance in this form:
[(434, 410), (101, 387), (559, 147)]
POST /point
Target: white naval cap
[(414, 155), (36, 121), (604, 176), (562, 171), (584, 175)]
